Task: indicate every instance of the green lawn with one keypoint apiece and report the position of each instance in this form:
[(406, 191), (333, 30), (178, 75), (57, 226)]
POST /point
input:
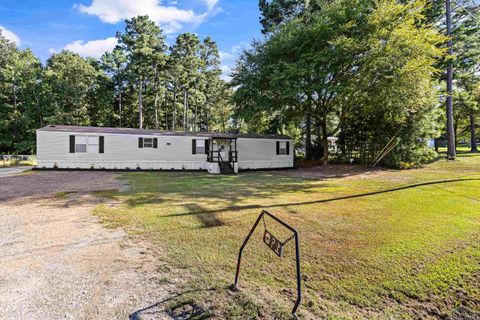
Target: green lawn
[(31, 161), (389, 245)]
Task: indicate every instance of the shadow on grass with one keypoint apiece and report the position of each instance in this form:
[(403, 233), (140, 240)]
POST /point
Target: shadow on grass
[(158, 188), (177, 308), (208, 220), (247, 207)]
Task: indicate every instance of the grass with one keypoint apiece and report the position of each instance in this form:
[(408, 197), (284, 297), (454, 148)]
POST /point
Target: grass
[(31, 161), (389, 245)]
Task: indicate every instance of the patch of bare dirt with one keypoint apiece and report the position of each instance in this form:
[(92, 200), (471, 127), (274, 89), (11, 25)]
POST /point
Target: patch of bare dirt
[(333, 171), (43, 183), (58, 261)]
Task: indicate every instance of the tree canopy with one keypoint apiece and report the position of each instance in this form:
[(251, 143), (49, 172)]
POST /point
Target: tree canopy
[(365, 71), (142, 83)]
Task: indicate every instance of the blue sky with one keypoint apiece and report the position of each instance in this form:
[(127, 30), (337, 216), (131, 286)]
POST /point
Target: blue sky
[(88, 26)]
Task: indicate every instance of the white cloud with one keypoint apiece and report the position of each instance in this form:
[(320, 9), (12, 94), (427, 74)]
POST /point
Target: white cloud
[(9, 35), (229, 58), (169, 17), (94, 48), (210, 4), (226, 70), (237, 49), (226, 56)]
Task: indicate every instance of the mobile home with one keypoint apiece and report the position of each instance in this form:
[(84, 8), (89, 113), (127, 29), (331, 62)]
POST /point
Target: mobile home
[(75, 147)]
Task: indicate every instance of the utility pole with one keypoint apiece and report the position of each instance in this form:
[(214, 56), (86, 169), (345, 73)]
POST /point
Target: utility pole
[(451, 153)]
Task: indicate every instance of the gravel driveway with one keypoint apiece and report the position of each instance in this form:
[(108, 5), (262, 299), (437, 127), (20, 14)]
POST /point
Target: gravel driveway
[(41, 184), (9, 171), (58, 262)]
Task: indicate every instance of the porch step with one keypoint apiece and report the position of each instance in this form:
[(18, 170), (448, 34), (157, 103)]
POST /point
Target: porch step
[(226, 168)]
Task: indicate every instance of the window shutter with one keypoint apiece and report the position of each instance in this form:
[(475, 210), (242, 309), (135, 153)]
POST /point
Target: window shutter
[(194, 146), (101, 144), (155, 143), (278, 147), (72, 144), (207, 146), (140, 142), (288, 147)]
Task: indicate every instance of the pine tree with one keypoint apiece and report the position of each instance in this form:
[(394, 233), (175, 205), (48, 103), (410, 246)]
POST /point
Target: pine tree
[(143, 44)]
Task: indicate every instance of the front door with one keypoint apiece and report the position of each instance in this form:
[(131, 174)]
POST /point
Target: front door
[(223, 146)]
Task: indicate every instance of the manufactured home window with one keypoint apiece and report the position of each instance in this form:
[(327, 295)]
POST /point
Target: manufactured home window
[(92, 144), (283, 147), (200, 146), (80, 144), (147, 142), (86, 144)]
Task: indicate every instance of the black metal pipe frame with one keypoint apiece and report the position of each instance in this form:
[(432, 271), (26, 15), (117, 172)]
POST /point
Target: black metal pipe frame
[(297, 257)]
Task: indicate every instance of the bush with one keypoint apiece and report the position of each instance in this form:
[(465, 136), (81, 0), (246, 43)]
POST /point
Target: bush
[(410, 154)]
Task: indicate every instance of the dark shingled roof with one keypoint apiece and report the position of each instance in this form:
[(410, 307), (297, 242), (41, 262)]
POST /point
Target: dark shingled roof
[(144, 132)]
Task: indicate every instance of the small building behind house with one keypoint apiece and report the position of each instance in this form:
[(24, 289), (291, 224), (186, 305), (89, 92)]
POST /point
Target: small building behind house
[(77, 147)]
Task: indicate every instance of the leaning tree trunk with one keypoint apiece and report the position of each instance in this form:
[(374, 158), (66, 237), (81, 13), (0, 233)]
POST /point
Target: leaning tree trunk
[(473, 137), (308, 137)]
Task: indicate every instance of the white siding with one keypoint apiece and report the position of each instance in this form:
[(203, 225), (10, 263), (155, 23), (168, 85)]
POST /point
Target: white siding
[(255, 153), (121, 151)]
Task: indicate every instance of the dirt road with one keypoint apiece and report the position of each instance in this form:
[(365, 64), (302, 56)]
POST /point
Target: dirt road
[(58, 262)]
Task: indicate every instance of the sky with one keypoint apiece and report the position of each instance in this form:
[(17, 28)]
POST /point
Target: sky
[(88, 27)]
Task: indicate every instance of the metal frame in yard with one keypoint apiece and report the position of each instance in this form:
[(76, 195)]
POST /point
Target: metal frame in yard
[(297, 256)]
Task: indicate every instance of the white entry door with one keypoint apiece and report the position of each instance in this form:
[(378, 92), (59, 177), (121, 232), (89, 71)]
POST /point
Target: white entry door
[(224, 147), (223, 152)]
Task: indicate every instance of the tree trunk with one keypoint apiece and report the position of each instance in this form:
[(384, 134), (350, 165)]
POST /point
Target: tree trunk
[(174, 120), (435, 142), (473, 137), (37, 104), (308, 137), (323, 125), (195, 118), (455, 142), (451, 142), (120, 108), (205, 121), (14, 96), (185, 110), (319, 151), (140, 105), (155, 103), (281, 122), (165, 103), (15, 126)]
